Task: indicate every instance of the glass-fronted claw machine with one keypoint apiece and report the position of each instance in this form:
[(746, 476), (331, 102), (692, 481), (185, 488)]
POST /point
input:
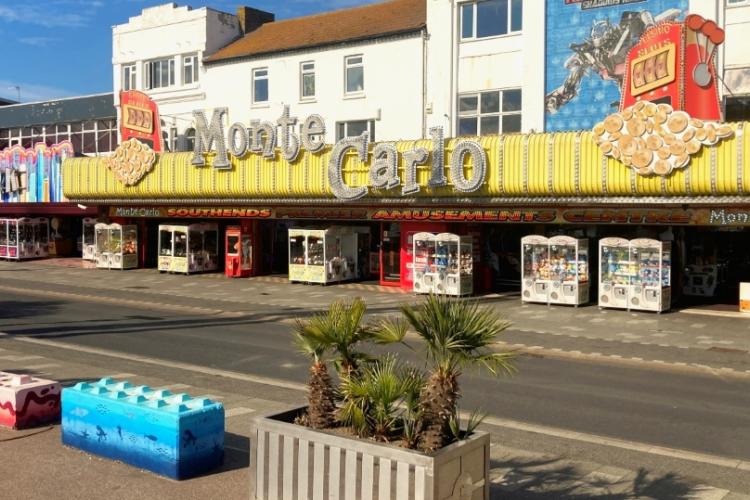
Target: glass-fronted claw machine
[(424, 263), (616, 270), (442, 264), (569, 263), (116, 246), (635, 274), (651, 290), (88, 239), (325, 255), (3, 238), (24, 238), (190, 248), (536, 269)]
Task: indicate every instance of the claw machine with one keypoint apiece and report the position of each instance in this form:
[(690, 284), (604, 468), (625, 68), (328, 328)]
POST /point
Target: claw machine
[(40, 227), (569, 271), (536, 270), (3, 238), (116, 246), (442, 264), (191, 248), (635, 274), (325, 255), (88, 239)]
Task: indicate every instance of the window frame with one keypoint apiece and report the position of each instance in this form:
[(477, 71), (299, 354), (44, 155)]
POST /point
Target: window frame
[(370, 128), (303, 72), (195, 68), (474, 37), (347, 66), (131, 79), (149, 73), (255, 79), (477, 114)]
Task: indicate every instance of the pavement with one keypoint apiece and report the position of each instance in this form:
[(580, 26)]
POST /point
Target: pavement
[(529, 461)]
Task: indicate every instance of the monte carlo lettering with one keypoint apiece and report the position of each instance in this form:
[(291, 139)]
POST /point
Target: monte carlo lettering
[(724, 217), (264, 137)]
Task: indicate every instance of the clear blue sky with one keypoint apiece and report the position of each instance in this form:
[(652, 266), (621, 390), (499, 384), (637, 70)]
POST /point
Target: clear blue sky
[(62, 48)]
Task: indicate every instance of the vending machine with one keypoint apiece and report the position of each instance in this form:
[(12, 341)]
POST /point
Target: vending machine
[(238, 262)]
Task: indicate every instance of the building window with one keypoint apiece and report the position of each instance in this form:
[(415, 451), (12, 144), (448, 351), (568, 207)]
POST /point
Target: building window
[(354, 75), (159, 73), (355, 128), (487, 18), (733, 3), (190, 69), (190, 139), (491, 112), (128, 77), (307, 80), (260, 85)]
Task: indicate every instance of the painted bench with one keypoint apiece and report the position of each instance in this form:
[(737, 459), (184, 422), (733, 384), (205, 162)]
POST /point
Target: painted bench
[(26, 401), (174, 435)]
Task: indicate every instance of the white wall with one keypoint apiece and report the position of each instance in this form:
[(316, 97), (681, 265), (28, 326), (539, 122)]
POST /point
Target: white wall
[(170, 31), (392, 82), (510, 61)]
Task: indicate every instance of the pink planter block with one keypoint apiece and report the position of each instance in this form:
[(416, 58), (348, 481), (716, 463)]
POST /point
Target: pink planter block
[(26, 401)]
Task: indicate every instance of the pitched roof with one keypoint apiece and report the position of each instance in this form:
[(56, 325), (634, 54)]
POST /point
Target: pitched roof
[(345, 25)]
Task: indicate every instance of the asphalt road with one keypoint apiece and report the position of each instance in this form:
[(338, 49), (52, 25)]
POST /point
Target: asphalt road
[(705, 414)]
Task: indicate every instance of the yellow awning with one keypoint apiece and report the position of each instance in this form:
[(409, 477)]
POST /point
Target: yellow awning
[(538, 166)]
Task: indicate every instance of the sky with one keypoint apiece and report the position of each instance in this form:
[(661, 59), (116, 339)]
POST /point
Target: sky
[(63, 48)]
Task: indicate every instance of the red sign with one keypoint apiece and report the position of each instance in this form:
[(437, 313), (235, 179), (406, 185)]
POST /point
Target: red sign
[(139, 118)]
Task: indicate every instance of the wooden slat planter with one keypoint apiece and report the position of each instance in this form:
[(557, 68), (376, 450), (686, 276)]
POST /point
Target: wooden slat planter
[(292, 462)]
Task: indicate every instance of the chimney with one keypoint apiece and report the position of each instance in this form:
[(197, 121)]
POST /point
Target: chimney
[(252, 19)]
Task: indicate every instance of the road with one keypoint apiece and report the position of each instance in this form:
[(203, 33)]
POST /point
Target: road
[(700, 413)]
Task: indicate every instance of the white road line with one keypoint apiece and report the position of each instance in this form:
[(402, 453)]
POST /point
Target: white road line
[(117, 376), (236, 412), (12, 357), (42, 367)]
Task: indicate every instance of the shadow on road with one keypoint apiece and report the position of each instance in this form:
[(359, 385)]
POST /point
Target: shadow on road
[(11, 309), (554, 479)]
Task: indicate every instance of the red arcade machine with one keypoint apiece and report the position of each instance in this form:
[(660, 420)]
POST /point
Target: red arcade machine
[(239, 251), (673, 64)]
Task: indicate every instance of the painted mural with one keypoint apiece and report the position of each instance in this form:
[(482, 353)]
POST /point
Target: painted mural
[(33, 175), (587, 46)]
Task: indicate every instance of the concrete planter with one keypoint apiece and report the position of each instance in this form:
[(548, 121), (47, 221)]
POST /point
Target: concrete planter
[(290, 461)]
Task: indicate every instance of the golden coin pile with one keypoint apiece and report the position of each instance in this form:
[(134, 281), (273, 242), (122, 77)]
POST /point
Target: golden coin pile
[(654, 138), (131, 161)]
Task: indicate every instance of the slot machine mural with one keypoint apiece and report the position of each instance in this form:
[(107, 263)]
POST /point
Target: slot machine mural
[(669, 109), (673, 64)]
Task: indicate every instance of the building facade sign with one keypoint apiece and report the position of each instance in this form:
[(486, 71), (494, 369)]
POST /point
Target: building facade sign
[(139, 119), (587, 43)]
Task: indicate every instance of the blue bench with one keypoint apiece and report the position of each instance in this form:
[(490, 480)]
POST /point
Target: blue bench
[(174, 435)]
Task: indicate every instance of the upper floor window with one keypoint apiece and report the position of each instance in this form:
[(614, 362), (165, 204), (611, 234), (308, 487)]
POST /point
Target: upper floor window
[(260, 85), (159, 73), (738, 2), (190, 69), (487, 18), (355, 128), (491, 112), (354, 75), (307, 80), (128, 77)]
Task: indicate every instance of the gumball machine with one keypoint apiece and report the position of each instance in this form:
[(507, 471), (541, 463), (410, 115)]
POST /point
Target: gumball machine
[(239, 251)]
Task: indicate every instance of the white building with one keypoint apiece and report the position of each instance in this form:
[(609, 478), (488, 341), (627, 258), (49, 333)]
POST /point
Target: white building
[(395, 68), (360, 68), (160, 52)]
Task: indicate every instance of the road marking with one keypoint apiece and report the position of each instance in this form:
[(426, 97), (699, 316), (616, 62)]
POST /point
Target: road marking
[(12, 357), (122, 375), (42, 367), (618, 443), (168, 364), (236, 412)]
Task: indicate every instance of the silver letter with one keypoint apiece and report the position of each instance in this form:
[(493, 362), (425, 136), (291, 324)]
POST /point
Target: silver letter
[(411, 160), (437, 177), (205, 136), (479, 167), (335, 177), (238, 145), (267, 129), (314, 126), (384, 169), (289, 140)]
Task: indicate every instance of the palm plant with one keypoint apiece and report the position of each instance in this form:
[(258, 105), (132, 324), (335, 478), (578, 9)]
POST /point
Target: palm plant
[(321, 395), (337, 332), (457, 334), (376, 401)]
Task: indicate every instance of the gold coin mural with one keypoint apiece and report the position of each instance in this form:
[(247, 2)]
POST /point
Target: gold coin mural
[(131, 161)]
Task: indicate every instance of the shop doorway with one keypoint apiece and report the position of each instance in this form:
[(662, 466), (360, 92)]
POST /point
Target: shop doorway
[(390, 254)]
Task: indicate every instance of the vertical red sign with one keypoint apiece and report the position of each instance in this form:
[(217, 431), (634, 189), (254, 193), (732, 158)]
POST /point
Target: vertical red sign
[(139, 118)]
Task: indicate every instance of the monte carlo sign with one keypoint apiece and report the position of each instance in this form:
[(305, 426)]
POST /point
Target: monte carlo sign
[(264, 137)]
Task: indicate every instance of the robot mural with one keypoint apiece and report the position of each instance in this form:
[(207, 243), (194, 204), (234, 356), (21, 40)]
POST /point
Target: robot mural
[(587, 48)]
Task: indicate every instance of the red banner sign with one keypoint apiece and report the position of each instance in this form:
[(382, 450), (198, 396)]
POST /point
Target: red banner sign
[(139, 118)]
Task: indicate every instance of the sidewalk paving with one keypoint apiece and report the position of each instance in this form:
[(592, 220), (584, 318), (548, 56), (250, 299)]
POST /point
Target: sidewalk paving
[(42, 468)]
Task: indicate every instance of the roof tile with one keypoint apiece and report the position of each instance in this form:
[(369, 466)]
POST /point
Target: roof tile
[(368, 21)]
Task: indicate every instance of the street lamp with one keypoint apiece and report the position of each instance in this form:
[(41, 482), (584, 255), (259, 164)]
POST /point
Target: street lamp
[(18, 89)]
